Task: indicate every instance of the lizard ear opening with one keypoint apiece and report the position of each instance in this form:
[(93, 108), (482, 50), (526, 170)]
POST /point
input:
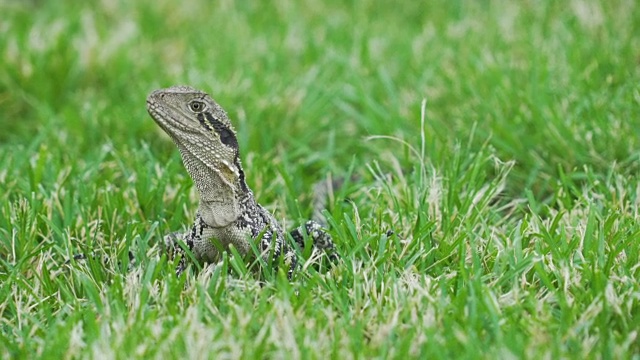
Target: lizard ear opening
[(217, 214)]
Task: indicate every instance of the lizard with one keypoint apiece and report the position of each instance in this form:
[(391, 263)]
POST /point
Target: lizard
[(228, 213)]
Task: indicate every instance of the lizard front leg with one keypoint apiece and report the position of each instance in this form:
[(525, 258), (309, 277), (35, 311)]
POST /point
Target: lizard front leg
[(319, 237), (174, 249)]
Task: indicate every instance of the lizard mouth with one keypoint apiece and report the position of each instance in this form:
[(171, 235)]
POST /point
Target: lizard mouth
[(164, 117)]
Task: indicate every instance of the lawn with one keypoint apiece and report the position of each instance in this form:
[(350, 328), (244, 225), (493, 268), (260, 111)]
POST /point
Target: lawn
[(498, 140)]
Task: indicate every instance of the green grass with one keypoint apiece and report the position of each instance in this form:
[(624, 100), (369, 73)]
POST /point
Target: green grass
[(514, 197)]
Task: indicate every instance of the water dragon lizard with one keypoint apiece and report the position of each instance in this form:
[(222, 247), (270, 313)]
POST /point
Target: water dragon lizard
[(228, 213)]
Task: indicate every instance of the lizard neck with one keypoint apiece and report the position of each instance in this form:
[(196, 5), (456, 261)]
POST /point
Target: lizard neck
[(207, 169), (241, 182)]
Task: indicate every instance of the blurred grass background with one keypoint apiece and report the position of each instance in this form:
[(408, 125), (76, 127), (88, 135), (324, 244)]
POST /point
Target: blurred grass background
[(516, 231)]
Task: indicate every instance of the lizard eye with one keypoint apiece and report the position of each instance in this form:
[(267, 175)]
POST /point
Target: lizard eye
[(197, 106)]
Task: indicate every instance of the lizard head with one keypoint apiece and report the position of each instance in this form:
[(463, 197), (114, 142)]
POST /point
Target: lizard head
[(206, 139), (193, 120)]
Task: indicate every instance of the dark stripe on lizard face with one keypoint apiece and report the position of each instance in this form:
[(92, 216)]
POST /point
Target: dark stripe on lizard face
[(226, 135), (202, 122)]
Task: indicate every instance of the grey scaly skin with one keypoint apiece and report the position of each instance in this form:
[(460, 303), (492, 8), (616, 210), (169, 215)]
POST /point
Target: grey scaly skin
[(228, 213)]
